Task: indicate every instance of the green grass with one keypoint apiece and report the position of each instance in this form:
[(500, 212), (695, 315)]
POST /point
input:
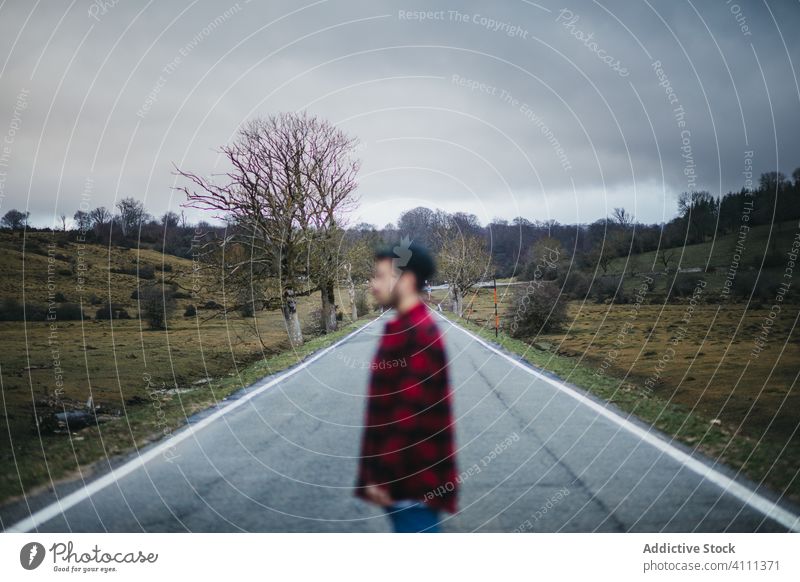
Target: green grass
[(717, 253)]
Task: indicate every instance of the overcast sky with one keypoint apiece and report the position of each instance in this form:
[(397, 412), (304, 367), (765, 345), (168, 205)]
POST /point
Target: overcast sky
[(546, 110)]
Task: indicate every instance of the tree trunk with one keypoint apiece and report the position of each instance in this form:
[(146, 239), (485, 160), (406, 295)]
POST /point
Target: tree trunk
[(457, 301), (329, 307), (351, 292), (292, 319)]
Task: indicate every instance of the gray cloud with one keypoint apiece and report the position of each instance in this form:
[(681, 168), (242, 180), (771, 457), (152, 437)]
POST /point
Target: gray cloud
[(499, 110)]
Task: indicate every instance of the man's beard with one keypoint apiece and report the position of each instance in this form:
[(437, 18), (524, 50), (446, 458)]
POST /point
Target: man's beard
[(394, 299)]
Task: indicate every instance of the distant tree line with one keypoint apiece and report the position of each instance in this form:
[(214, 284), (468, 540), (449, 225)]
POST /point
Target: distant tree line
[(285, 200)]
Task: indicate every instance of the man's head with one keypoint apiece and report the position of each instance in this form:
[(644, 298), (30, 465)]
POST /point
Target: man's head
[(400, 271)]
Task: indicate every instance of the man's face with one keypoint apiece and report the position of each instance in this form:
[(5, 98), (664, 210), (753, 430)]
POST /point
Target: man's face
[(383, 283)]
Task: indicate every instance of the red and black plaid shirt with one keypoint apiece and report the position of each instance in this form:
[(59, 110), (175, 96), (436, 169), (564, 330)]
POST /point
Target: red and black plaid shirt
[(408, 441)]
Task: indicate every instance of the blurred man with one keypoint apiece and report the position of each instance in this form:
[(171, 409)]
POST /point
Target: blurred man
[(407, 463)]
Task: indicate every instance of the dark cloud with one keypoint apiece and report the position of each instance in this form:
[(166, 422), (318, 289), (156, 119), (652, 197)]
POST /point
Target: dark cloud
[(497, 109)]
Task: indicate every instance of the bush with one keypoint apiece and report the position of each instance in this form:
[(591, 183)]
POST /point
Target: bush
[(191, 311), (144, 272), (312, 324), (682, 285), (362, 301), (609, 288), (69, 312), (157, 305), (772, 259), (763, 287), (11, 310), (576, 284), (535, 309), (59, 297), (112, 311), (147, 272), (245, 302)]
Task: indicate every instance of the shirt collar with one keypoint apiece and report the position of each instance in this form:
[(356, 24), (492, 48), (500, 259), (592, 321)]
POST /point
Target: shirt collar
[(412, 314)]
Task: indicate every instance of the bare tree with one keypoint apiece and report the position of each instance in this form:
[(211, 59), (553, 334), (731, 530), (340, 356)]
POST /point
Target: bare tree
[(332, 172), (274, 197), (666, 258), (100, 216), (131, 215), (82, 221), (463, 261), (622, 217), (170, 219)]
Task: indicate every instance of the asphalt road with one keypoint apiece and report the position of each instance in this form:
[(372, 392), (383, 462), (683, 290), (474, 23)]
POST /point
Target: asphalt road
[(534, 455)]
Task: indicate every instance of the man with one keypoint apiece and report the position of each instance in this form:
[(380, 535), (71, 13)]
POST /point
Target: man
[(407, 463)]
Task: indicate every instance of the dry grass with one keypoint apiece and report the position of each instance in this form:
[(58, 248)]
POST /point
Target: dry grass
[(742, 408)]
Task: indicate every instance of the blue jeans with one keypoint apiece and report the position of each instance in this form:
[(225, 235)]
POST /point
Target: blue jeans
[(413, 517)]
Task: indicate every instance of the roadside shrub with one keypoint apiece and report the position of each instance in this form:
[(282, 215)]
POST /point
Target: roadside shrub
[(312, 323), (59, 297), (191, 311), (535, 309)]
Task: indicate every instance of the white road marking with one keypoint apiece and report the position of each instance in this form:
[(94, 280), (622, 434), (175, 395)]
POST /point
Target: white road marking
[(61, 505), (748, 496)]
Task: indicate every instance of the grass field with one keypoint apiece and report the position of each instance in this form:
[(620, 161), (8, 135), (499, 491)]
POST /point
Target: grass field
[(143, 382)]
